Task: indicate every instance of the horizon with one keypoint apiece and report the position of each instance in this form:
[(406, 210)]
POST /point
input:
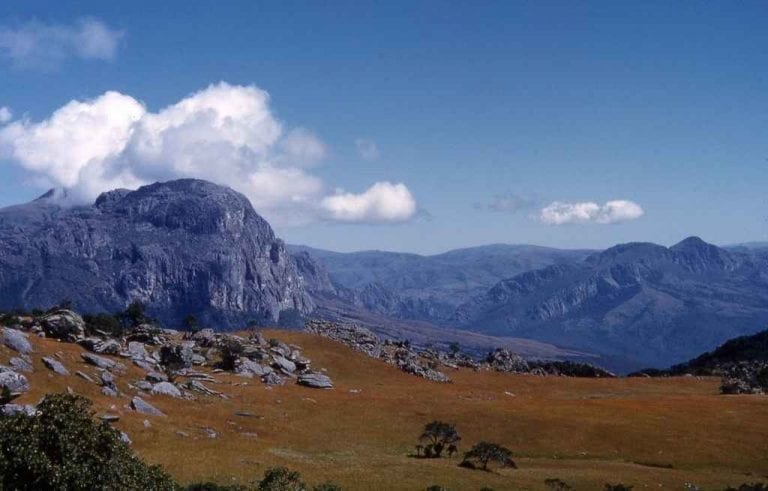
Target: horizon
[(403, 127)]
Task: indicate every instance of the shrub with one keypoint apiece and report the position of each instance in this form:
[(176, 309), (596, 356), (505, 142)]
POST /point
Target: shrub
[(281, 479), (439, 435), (103, 322), (486, 452), (62, 447), (212, 486), (557, 485), (617, 487), (231, 351)]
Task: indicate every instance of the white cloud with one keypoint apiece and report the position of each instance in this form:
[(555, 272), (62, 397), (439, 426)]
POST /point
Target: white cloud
[(38, 45), (367, 149), (224, 133), (617, 211), (382, 202), (5, 114)]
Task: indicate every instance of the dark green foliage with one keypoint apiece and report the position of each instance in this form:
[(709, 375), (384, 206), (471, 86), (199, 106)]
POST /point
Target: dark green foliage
[(191, 323), (757, 486), (281, 479), (64, 448), (134, 315), (212, 486), (438, 436), (435, 487), (107, 323), (617, 487), (557, 485), (571, 369), (327, 486), (5, 395), (230, 352), (485, 453), (454, 348)]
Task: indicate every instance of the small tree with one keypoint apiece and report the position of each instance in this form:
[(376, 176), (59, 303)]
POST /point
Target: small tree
[(485, 452), (281, 479), (231, 351), (134, 315), (191, 323), (5, 395), (439, 435), (454, 348), (63, 447)]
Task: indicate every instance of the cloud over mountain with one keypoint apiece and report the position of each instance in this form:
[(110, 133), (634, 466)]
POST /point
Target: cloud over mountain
[(223, 133), (616, 211)]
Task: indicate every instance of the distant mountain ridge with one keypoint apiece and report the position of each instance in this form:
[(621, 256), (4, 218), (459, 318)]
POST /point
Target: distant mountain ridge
[(637, 304)]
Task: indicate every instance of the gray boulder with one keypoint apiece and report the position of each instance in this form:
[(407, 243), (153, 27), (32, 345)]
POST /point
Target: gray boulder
[(315, 380), (16, 382), (13, 409), (98, 361), (20, 364), (137, 350), (166, 389), (272, 379), (141, 406), (248, 368), (55, 366), (64, 324), (284, 364), (156, 377), (15, 340)]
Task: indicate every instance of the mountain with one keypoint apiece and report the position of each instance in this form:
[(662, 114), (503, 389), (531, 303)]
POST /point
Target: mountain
[(428, 288), (181, 247), (744, 349), (641, 303)]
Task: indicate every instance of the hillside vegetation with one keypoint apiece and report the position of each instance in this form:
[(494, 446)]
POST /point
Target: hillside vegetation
[(362, 433)]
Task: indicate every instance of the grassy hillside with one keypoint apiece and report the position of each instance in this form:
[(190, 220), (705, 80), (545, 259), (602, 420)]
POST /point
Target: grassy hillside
[(645, 432)]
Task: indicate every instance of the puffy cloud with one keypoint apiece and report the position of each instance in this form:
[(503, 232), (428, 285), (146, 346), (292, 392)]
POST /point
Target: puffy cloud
[(5, 114), (38, 45), (223, 133), (559, 213), (367, 149), (382, 202)]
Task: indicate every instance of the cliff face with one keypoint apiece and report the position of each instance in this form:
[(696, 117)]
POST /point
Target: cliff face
[(181, 247)]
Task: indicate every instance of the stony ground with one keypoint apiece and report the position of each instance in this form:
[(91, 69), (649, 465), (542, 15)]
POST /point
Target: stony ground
[(361, 433)]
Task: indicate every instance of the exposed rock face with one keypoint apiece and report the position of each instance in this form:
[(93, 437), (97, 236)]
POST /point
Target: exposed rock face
[(141, 406), (640, 303), (315, 380), (166, 389), (181, 247)]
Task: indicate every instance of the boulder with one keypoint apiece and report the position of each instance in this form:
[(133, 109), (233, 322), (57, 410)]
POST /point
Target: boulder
[(284, 364), (137, 350), (156, 377), (141, 406), (20, 364), (64, 325), (16, 382), (315, 380), (248, 368), (166, 389), (55, 366), (15, 340), (13, 409), (205, 338), (144, 385), (272, 379), (85, 376), (98, 361)]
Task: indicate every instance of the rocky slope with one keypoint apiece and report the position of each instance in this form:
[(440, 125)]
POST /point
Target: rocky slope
[(182, 247), (644, 304)]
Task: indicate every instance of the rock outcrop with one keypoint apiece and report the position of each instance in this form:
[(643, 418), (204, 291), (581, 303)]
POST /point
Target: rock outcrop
[(181, 247)]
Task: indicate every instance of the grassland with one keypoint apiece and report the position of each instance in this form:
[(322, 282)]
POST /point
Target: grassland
[(650, 433)]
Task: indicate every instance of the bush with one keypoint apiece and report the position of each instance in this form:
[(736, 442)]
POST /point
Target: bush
[(281, 479), (62, 447), (212, 486), (103, 322), (439, 435), (485, 452), (231, 351), (617, 487)]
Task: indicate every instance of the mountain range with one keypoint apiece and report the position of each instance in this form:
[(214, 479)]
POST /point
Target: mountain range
[(190, 247)]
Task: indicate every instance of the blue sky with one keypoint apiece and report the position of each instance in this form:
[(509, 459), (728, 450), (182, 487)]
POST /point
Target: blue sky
[(481, 122)]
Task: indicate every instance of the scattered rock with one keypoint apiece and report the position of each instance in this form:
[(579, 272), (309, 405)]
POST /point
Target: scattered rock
[(166, 389), (156, 377), (141, 406), (85, 376), (55, 366), (110, 418), (64, 325), (272, 379), (16, 382), (98, 361), (20, 365), (15, 340), (315, 380), (284, 364), (12, 409)]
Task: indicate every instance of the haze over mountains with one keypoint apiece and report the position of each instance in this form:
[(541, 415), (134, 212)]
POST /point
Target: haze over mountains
[(192, 247)]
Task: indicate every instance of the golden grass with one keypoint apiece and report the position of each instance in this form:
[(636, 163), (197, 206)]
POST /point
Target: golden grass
[(645, 432)]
